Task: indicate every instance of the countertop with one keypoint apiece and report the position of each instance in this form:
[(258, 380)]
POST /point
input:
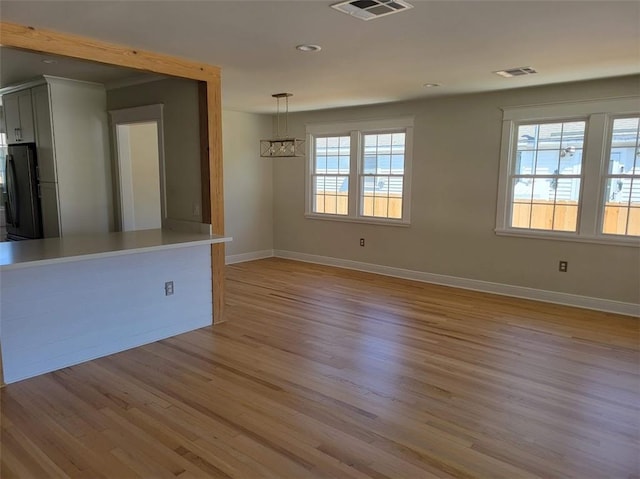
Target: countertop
[(30, 253)]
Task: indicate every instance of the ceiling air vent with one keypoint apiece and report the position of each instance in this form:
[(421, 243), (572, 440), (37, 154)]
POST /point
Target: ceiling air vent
[(370, 9), (516, 72)]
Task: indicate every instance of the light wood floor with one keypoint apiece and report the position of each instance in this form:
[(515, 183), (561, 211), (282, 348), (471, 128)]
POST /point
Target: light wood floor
[(322, 372)]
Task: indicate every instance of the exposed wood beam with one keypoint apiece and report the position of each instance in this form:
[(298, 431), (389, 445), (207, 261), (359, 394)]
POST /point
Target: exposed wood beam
[(75, 46), (216, 195)]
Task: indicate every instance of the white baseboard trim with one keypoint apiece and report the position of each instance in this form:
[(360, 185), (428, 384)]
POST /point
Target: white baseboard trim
[(567, 299), (241, 258)]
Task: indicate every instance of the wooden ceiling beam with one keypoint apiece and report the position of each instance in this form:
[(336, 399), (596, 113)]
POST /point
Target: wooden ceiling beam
[(75, 46)]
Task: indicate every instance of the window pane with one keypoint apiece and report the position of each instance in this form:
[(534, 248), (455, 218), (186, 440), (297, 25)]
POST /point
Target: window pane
[(369, 166), (381, 193), (370, 141), (549, 136), (542, 189), (545, 203), (565, 217), (633, 225), (567, 189), (527, 135), (331, 194), (618, 190), (395, 207), (332, 164), (522, 189), (550, 155), (343, 164), (542, 216), (570, 162), (398, 140), (622, 160), (345, 145), (396, 184), (521, 215), (524, 162), (331, 186), (384, 142), (330, 204), (621, 208), (343, 188), (624, 133), (622, 186), (397, 164), (573, 135), (635, 192), (547, 162), (384, 164), (381, 186), (367, 205), (321, 164), (615, 220), (318, 194)]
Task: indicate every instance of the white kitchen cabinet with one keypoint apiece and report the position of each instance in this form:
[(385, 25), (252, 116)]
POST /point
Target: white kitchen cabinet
[(49, 205), (44, 136), (70, 129), (18, 114)]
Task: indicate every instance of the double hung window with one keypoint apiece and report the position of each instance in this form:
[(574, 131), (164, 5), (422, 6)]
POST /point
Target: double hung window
[(360, 171), (571, 171), (621, 214)]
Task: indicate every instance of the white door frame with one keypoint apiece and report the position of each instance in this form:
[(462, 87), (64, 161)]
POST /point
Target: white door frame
[(128, 116)]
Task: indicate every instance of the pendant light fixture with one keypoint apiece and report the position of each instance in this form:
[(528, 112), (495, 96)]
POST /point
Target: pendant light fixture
[(282, 145)]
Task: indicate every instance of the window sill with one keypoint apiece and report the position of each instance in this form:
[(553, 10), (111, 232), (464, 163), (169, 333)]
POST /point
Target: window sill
[(351, 219), (611, 240)]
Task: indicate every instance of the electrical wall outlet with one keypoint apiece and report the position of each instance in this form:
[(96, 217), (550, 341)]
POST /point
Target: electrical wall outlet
[(562, 266), (361, 241), (168, 288)]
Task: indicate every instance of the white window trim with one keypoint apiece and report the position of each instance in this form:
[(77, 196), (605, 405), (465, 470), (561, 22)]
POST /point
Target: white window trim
[(355, 129), (598, 114)]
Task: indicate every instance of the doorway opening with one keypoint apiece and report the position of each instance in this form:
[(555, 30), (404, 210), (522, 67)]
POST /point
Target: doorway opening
[(139, 167)]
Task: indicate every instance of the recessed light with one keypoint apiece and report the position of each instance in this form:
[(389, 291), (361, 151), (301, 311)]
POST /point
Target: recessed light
[(431, 85), (49, 61), (308, 48)]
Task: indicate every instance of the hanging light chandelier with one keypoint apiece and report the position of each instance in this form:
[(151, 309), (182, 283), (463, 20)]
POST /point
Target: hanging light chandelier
[(282, 145)]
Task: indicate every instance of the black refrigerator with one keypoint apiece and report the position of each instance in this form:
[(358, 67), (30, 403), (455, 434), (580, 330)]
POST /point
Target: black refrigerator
[(21, 195)]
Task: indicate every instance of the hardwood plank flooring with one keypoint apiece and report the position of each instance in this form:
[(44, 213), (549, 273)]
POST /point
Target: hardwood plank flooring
[(324, 372)]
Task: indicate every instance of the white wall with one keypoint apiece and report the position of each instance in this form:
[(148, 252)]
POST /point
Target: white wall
[(62, 314), (453, 210), (248, 185), (142, 140)]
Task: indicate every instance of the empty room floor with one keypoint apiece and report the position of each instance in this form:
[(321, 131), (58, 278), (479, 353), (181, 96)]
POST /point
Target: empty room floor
[(325, 372)]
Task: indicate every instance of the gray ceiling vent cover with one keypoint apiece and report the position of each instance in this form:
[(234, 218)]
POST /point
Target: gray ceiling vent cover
[(370, 9), (516, 72)]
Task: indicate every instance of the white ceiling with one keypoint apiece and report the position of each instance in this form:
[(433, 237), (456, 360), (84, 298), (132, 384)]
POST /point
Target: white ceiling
[(455, 43)]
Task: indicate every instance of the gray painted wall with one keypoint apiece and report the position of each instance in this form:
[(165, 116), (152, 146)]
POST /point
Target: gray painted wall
[(248, 184), (181, 138), (453, 210)]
